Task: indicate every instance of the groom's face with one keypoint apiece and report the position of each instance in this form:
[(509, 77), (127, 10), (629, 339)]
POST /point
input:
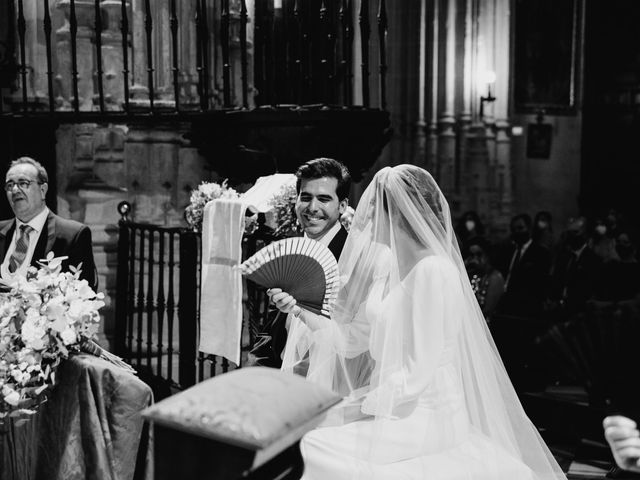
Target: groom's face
[(318, 207)]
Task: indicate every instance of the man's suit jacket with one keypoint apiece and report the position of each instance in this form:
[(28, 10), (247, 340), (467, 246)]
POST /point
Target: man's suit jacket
[(271, 342), (573, 281), (527, 286), (62, 237)]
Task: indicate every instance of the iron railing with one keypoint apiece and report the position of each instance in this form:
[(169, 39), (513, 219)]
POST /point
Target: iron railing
[(168, 57), (157, 304)]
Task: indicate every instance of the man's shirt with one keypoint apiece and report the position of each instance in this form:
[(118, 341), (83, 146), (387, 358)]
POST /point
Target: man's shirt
[(37, 223), (329, 235)]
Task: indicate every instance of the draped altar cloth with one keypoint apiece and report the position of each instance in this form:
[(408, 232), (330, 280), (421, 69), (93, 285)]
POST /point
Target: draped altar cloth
[(223, 222), (90, 427)]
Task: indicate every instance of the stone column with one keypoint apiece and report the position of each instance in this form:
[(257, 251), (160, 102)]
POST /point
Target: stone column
[(35, 58), (85, 54), (187, 56), (447, 97), (503, 176), (502, 150), (235, 54), (139, 90), (421, 124), (112, 55), (431, 109)]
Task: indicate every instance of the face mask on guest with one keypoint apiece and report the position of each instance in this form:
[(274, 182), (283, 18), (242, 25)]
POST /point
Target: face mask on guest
[(470, 225), (601, 229)]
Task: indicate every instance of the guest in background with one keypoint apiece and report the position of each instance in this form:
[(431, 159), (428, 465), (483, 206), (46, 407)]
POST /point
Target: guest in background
[(602, 241), (469, 227), (36, 231), (614, 221), (620, 279), (542, 232), (487, 282), (575, 270), (525, 266), (517, 319)]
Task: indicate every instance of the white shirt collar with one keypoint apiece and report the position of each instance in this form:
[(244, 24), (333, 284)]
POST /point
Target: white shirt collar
[(578, 252), (329, 235), (37, 222), (525, 246)]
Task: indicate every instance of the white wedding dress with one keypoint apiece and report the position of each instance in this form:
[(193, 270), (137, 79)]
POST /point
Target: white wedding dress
[(433, 437), (426, 395)]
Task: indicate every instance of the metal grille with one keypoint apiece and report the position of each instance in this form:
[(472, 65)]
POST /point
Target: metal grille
[(157, 305), (169, 57)]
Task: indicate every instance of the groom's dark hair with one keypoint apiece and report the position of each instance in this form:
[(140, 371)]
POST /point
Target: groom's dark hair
[(325, 167)]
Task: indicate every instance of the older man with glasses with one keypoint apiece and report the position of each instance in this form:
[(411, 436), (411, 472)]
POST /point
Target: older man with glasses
[(35, 231)]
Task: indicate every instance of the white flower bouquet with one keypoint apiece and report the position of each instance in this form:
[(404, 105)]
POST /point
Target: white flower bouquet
[(283, 213), (205, 192), (44, 317)]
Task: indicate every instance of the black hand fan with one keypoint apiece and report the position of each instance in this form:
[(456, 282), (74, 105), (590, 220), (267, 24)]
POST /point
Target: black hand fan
[(302, 267)]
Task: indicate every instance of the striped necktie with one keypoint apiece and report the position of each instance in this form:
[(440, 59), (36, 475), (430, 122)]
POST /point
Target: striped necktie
[(22, 245)]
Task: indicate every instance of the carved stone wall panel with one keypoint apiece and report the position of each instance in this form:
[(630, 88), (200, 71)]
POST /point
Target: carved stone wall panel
[(108, 156), (151, 159), (193, 170)]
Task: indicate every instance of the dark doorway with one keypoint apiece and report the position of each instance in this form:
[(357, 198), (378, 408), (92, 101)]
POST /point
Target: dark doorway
[(33, 138), (611, 122)]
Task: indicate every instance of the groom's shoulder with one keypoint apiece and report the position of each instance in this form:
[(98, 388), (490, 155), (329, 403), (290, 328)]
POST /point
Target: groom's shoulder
[(337, 243)]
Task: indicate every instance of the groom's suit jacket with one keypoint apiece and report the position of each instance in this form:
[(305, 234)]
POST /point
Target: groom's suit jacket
[(270, 343), (62, 237)]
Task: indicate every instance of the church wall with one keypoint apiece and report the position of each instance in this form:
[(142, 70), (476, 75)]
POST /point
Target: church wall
[(154, 168), (551, 184)]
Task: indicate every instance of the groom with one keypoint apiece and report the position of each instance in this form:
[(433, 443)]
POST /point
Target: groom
[(323, 188)]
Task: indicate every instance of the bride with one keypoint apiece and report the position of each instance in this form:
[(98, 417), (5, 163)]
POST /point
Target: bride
[(425, 392)]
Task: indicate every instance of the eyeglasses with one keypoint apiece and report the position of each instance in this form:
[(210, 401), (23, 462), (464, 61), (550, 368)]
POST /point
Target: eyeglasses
[(22, 184)]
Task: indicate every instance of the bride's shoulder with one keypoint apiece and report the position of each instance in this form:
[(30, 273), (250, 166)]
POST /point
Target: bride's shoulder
[(436, 264)]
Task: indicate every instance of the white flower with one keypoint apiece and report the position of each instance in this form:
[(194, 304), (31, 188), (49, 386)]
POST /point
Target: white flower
[(32, 332), (11, 397), (84, 290), (347, 217), (55, 308), (59, 324), (44, 311), (79, 308), (206, 192), (68, 336)]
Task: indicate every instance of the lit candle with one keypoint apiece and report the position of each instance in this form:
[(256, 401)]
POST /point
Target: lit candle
[(490, 79)]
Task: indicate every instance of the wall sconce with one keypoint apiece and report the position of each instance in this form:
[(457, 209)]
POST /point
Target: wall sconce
[(489, 79)]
